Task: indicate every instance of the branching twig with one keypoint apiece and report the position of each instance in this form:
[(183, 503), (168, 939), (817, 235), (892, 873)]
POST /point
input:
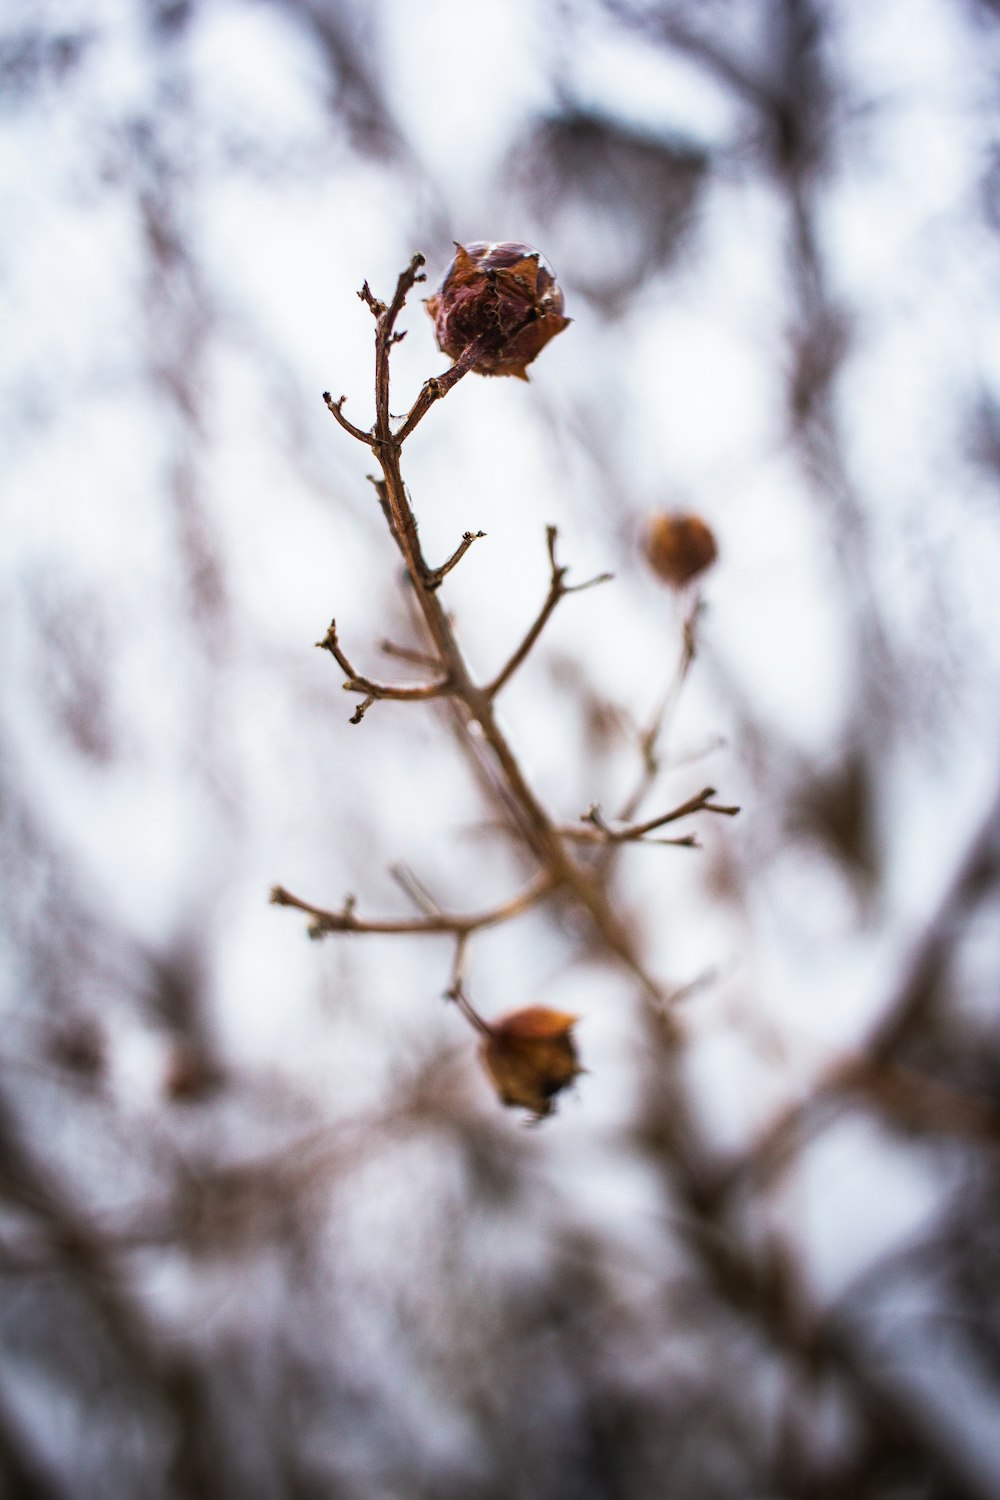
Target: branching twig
[(461, 924), (336, 407), (558, 589), (355, 683), (437, 576), (472, 702), (476, 705), (377, 307), (596, 830)]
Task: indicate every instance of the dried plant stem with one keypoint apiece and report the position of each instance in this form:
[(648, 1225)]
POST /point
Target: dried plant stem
[(649, 740), (437, 575), (558, 589), (593, 829), (472, 701), (456, 990), (547, 843), (374, 690), (406, 653), (347, 920)]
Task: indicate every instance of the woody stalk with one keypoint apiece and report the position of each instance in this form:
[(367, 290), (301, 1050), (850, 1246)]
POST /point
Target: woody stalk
[(497, 308)]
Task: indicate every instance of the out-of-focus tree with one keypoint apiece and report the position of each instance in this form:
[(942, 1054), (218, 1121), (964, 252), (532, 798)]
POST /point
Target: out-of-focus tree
[(264, 1227)]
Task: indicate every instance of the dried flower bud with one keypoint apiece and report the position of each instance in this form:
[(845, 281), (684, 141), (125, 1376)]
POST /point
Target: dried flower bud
[(502, 297), (679, 547), (531, 1056)]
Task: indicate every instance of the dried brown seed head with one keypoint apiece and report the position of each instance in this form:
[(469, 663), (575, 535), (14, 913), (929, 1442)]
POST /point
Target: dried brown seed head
[(502, 297), (679, 547), (531, 1056)]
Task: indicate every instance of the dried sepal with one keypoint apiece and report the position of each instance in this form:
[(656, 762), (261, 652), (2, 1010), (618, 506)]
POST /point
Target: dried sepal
[(502, 297), (531, 1056), (679, 547)]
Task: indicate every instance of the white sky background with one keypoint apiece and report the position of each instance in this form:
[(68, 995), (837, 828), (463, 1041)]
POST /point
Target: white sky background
[(234, 773)]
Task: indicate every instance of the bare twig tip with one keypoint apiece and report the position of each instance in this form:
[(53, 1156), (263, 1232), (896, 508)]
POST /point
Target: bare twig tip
[(367, 296)]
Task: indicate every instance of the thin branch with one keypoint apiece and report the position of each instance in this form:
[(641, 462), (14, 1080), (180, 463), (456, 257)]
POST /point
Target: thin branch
[(469, 698), (596, 830), (405, 283), (406, 653), (414, 887), (439, 385), (700, 803), (336, 408), (461, 924), (558, 589), (436, 576), (457, 993), (651, 736), (456, 990), (692, 987), (385, 339), (371, 691), (366, 296)]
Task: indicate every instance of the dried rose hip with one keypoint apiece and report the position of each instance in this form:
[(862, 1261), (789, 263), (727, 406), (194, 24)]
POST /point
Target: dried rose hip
[(531, 1056), (679, 547), (502, 298)]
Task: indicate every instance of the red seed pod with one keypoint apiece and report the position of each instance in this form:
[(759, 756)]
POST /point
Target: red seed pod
[(679, 547), (531, 1056), (504, 298)]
